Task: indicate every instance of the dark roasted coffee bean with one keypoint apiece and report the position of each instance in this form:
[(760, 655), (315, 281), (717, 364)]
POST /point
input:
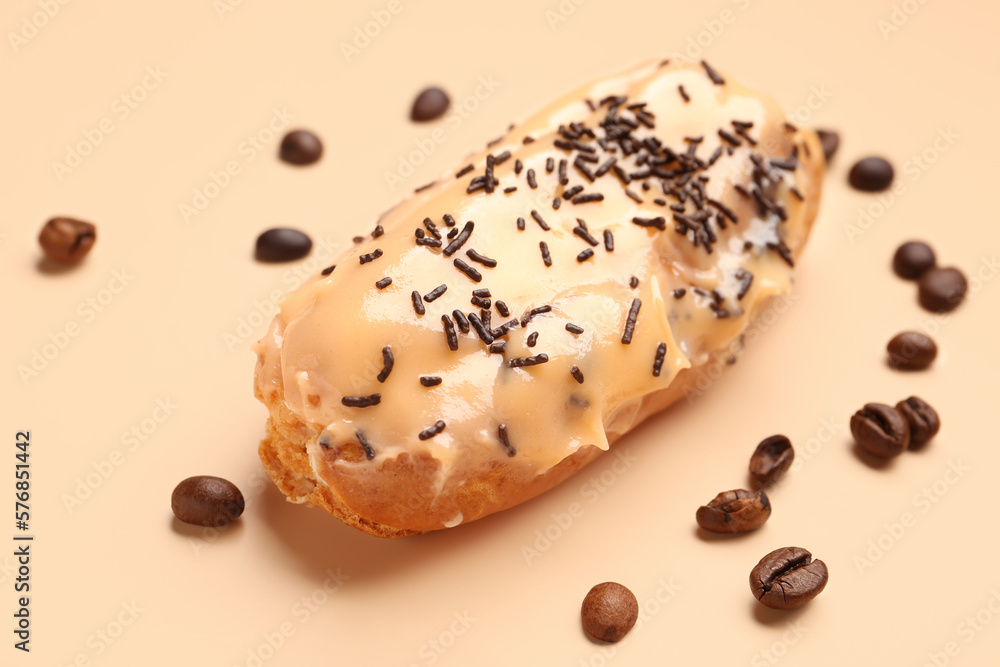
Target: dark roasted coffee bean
[(300, 147), (912, 260), (830, 141), (609, 611), (771, 460), (787, 578), (872, 174), (66, 240), (922, 418), (942, 290), (282, 244), (734, 512), (429, 105), (207, 501), (880, 430), (911, 351)]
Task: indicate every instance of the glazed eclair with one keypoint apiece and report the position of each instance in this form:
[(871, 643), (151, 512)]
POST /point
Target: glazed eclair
[(501, 327)]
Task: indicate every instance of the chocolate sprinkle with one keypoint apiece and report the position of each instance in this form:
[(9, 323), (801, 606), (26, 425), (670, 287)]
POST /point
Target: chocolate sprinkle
[(609, 240), (574, 328), (661, 354), (546, 257), (449, 221), (520, 224), (538, 219), (746, 279), (468, 270), (530, 315), (435, 293), (361, 401), (659, 222), (532, 339), (464, 170), (418, 305), (585, 255), (588, 197), (449, 332), (460, 240), (482, 259), (577, 374), (430, 380), (428, 241), (371, 257), (502, 309), (584, 233), (504, 440), (430, 432), (712, 74), (481, 329), (328, 270), (387, 363), (633, 282), (383, 283), (377, 232), (363, 441), (679, 293), (432, 228), (633, 314), (680, 89), (534, 360), (531, 179), (498, 347), (461, 320)]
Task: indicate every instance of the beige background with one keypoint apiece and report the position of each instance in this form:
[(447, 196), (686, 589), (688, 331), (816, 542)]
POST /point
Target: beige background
[(176, 321)]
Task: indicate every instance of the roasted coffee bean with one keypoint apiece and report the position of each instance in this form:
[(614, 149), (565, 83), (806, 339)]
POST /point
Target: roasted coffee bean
[(942, 290), (300, 147), (787, 578), (881, 430), (282, 244), (66, 240), (830, 141), (922, 418), (771, 460), (207, 501), (609, 611), (911, 351), (871, 174), (735, 511), (429, 105), (913, 259)]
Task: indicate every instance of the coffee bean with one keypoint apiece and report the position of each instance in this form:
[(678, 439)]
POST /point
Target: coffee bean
[(912, 260), (207, 501), (430, 105), (609, 611), (830, 141), (771, 460), (300, 147), (922, 418), (942, 290), (736, 511), (66, 240), (872, 174), (911, 351), (787, 578), (282, 244), (880, 430)]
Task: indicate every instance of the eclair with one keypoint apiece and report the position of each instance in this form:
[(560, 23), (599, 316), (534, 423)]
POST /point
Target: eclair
[(501, 327)]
